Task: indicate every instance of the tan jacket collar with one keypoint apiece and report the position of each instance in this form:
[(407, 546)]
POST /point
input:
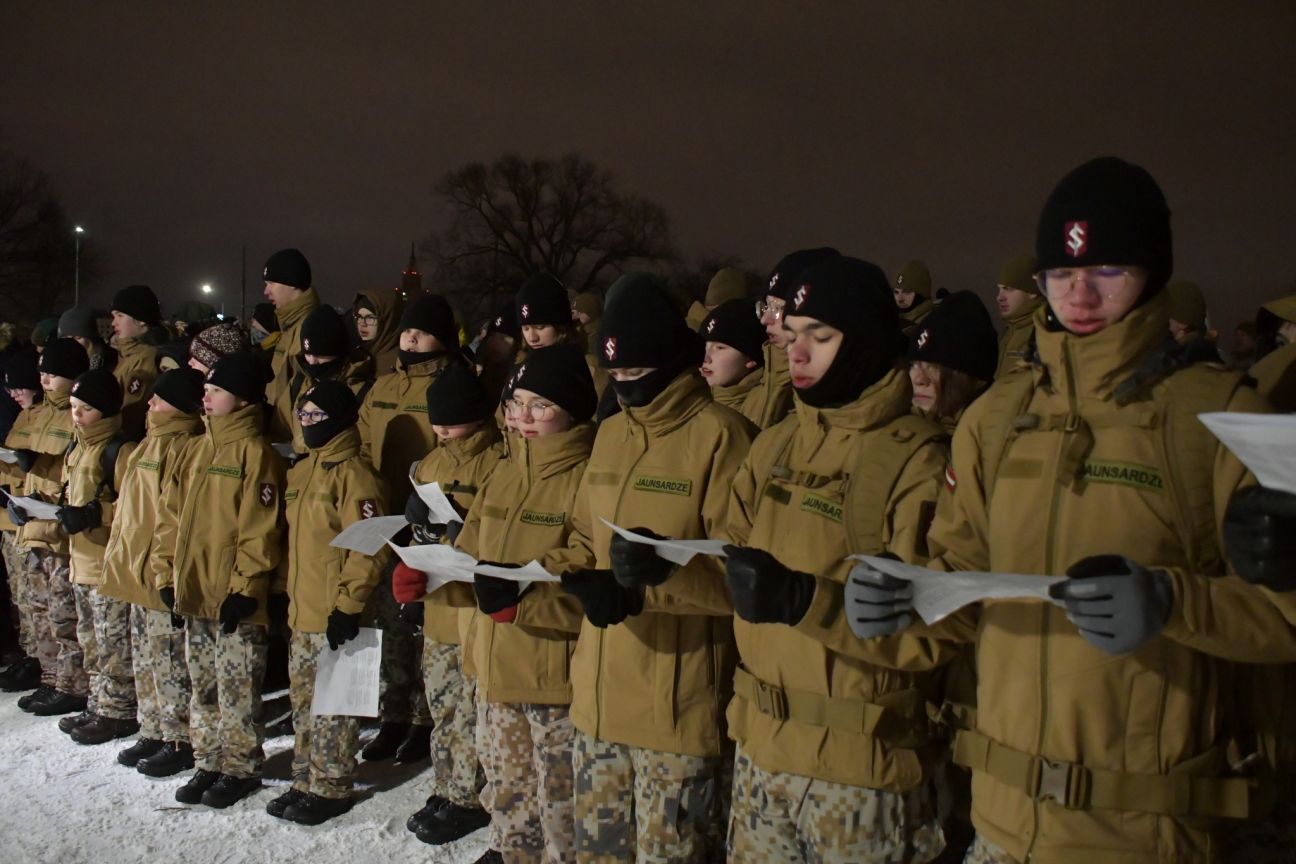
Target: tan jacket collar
[(878, 405), (553, 454), (98, 431), (296, 309), (1099, 362), (683, 398), (171, 423), (244, 423)]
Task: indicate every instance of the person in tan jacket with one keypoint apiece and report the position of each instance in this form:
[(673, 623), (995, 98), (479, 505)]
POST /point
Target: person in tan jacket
[(288, 280), (913, 294), (328, 489), (62, 361), (651, 671), (543, 315), (157, 638), (468, 452), (377, 316), (218, 546), (1016, 297), (1103, 723), (326, 355), (91, 474), (734, 363), (135, 311), (850, 471)]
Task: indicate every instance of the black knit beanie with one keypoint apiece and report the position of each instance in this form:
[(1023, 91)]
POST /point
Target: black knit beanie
[(181, 388), (324, 333), (734, 323), (140, 303), (506, 323), (288, 267), (432, 314), (21, 372), (543, 300), (456, 397), (560, 374), (99, 389), (336, 400), (245, 374), (640, 325), (790, 266), (958, 334), (65, 358)]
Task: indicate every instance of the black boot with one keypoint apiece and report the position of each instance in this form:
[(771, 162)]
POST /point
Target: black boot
[(278, 806), (23, 675), (59, 703), (75, 721), (417, 745), (40, 694), (194, 788), (385, 744), (416, 822), (490, 856), (230, 790), (141, 749), (315, 809), (170, 759), (452, 823), (102, 729)]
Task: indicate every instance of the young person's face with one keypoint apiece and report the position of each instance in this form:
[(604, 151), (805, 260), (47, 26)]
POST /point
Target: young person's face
[(539, 335), (51, 383), (904, 298), (452, 433), (158, 405), (316, 359), (537, 416), (219, 402), (1087, 300), (925, 380), (771, 318), (630, 373), (366, 324), (280, 294), (419, 342), (723, 364), (83, 413), (126, 327), (811, 348), (1010, 300), (195, 364), (309, 414), (24, 396)]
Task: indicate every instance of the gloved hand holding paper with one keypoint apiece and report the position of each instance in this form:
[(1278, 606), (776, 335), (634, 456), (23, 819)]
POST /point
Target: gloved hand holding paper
[(937, 594), (440, 509), (678, 552)]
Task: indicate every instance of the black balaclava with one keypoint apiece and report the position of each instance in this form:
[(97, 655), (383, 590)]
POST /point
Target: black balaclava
[(641, 327), (854, 297), (335, 399)]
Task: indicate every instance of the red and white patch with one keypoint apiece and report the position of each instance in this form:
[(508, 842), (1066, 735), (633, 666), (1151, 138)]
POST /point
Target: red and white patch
[(802, 293), (923, 338), (267, 494), (368, 508), (950, 479), (610, 348), (526, 311), (1077, 238), (135, 386)]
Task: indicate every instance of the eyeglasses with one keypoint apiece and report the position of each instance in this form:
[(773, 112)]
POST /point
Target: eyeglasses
[(312, 416), (537, 410), (773, 307), (367, 320), (1107, 280)]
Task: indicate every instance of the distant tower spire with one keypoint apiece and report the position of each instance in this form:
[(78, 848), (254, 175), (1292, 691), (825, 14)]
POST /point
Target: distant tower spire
[(411, 278)]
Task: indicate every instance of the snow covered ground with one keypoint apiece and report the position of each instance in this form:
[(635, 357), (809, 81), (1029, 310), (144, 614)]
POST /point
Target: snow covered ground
[(64, 803)]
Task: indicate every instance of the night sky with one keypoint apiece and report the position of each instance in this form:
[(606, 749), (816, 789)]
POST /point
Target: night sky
[(176, 134)]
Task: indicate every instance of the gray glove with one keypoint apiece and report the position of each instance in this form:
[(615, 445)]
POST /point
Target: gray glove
[(877, 604), (1116, 603)]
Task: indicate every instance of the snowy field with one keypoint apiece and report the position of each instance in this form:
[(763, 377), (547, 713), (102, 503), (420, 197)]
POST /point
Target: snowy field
[(64, 803)]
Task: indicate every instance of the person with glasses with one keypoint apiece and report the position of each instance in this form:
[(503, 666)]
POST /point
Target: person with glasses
[(377, 315), (1103, 719), (544, 318), (951, 358), (1016, 297), (326, 355)]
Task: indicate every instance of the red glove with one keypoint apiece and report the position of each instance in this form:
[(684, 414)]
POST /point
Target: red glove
[(506, 615), (408, 584)]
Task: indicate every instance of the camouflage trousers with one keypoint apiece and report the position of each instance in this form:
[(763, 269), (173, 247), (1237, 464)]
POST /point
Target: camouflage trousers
[(324, 750), (1262, 841), (15, 563), (982, 851), (113, 679), (161, 675), (644, 805), (786, 817), (526, 752), (458, 774), (401, 697), (37, 598), (85, 634), (61, 609), (225, 672)]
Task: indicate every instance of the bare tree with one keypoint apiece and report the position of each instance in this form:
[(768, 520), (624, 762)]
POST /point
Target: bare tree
[(516, 217)]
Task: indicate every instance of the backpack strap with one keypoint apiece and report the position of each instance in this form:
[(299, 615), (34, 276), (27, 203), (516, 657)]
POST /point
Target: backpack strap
[(876, 463), (108, 466), (1004, 417)]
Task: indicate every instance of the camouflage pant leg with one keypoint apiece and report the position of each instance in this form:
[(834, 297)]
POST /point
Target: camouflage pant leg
[(47, 647), (85, 633), (324, 751), (116, 693), (165, 651), (526, 754), (458, 774), (70, 673), (401, 698), (786, 817), (226, 671), (1262, 841), (19, 590), (146, 697), (603, 801), (982, 851)]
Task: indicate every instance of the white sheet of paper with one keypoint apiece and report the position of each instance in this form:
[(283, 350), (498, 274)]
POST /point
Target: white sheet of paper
[(284, 449), (678, 552), (1266, 443), (441, 562), (938, 594), (7, 455), (37, 509), (368, 536), (346, 680), (528, 573), (440, 510)]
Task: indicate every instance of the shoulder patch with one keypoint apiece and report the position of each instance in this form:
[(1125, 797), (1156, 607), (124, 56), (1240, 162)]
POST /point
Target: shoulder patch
[(951, 480), (135, 386), (266, 495), (368, 508)]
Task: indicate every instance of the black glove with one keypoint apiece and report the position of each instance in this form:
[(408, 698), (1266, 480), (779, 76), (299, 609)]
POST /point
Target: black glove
[(426, 535), (638, 564), (17, 514), (1260, 537), (167, 596), (342, 628), (495, 594), (234, 609), (412, 614), (26, 459), (1116, 604), (877, 603), (605, 601), (451, 530), (77, 519), (277, 606), (416, 510), (763, 590)]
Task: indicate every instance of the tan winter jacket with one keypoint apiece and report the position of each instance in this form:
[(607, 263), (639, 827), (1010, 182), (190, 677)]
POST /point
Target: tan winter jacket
[(136, 371), (387, 306), (394, 428), (50, 436), (772, 400), (357, 373), (290, 317), (1016, 336), (83, 477)]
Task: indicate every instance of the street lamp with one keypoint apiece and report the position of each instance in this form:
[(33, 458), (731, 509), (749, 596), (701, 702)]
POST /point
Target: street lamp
[(207, 290), (77, 231)]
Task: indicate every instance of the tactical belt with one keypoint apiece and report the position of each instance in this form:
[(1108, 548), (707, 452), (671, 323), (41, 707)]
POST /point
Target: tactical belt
[(1079, 788), (901, 724)]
